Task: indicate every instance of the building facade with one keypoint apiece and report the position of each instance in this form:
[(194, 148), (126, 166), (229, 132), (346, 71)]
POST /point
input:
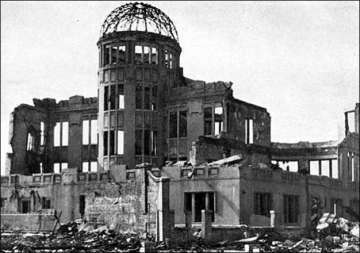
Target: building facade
[(148, 112)]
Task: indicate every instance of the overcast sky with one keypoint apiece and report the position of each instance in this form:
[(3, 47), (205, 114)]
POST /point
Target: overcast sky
[(300, 60)]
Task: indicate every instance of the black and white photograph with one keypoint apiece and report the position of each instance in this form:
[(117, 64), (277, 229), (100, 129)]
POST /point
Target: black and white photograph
[(180, 126)]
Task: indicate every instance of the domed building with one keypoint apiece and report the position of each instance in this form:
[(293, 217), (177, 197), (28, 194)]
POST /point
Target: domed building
[(154, 140)]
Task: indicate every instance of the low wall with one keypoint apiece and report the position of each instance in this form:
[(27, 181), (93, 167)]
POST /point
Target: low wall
[(27, 222)]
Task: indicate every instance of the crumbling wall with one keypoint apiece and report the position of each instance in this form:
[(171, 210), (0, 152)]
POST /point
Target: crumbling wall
[(35, 222)]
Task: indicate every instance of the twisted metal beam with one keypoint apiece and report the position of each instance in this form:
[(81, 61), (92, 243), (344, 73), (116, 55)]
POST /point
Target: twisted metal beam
[(139, 17)]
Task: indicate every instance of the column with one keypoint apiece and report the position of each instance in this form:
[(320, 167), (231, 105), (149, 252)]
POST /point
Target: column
[(193, 206)]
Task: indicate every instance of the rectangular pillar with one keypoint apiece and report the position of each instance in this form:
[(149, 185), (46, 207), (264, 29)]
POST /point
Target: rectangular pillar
[(206, 224)]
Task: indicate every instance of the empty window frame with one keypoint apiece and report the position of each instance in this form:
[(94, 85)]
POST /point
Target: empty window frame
[(182, 123), (325, 167), (112, 97), (138, 142), (89, 132), (173, 125), (59, 167), (45, 203), (315, 167), (85, 167), (121, 98), (109, 142), (147, 101), (153, 143), (145, 141), (120, 142), (113, 54), (194, 202), (25, 206), (89, 166), (291, 166), (106, 55), (154, 98), (249, 131), (218, 120), (30, 144), (351, 166), (334, 168), (169, 61), (138, 96), (61, 134), (146, 54), (291, 209), (207, 120), (106, 98), (42, 133), (262, 203)]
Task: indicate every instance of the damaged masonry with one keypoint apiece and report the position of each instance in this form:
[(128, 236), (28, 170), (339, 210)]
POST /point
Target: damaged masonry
[(159, 161)]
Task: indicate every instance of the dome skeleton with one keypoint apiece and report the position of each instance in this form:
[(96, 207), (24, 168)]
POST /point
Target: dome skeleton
[(131, 16)]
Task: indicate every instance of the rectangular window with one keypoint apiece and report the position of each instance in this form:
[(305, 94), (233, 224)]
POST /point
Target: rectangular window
[(106, 98), (57, 168), (61, 134), (168, 59), (249, 134), (138, 97), (147, 142), (121, 54), (107, 54), (325, 168), (154, 98), (45, 203), (93, 166), (112, 142), (353, 167), (113, 54), (314, 168), (138, 54), (208, 121), (147, 98), (85, 167), (93, 131), (121, 99), (105, 140), (25, 206), (291, 208), (138, 142), (202, 201), (30, 146), (42, 133), (112, 97), (218, 117), (64, 166), (65, 133), (57, 134), (85, 132), (154, 55), (262, 203), (173, 125), (288, 165), (334, 168), (154, 143), (182, 124), (120, 142), (146, 55)]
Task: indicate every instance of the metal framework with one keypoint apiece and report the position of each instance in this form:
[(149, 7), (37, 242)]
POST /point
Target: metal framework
[(139, 17)]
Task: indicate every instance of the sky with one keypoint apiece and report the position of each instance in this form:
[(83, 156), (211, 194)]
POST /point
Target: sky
[(300, 60)]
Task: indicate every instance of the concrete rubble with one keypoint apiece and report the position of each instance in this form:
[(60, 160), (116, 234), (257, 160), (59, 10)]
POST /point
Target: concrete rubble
[(334, 234)]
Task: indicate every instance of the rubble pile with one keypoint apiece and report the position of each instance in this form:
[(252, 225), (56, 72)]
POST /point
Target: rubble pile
[(72, 237), (333, 234)]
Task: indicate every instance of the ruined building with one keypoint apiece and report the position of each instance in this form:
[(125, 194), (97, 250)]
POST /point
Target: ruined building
[(199, 147)]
